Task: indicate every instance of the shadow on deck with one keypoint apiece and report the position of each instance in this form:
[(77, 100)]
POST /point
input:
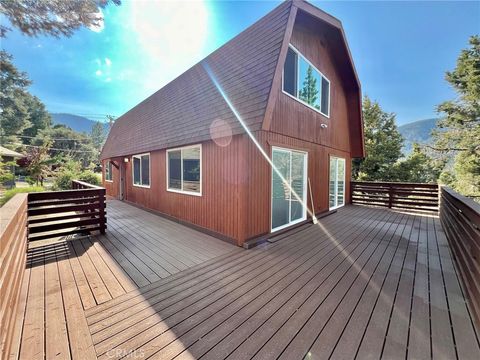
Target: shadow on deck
[(364, 282)]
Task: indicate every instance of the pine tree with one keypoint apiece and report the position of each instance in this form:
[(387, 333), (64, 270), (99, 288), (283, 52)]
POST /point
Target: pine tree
[(458, 133), (309, 92), (383, 144)]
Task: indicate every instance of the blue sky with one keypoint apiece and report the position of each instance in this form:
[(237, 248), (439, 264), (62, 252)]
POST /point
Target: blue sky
[(401, 51)]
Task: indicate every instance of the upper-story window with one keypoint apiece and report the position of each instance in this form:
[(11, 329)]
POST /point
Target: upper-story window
[(108, 171), (305, 82)]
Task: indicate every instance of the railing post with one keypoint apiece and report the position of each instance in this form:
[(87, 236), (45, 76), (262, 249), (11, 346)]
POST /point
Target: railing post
[(102, 210), (390, 195)]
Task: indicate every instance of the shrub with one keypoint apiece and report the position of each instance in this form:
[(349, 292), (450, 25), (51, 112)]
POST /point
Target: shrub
[(89, 177), (12, 192)]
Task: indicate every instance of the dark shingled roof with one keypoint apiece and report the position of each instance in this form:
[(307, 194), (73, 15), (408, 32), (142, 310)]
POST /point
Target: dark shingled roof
[(182, 112)]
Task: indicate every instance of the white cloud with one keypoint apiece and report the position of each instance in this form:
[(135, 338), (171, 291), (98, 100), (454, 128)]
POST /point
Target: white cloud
[(98, 72), (108, 79), (108, 62)]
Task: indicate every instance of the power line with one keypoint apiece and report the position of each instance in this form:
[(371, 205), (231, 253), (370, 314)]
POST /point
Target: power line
[(54, 139), (56, 149)]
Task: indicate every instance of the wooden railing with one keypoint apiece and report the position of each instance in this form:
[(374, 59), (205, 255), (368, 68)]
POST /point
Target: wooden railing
[(403, 196), (13, 253), (61, 213), (460, 217)]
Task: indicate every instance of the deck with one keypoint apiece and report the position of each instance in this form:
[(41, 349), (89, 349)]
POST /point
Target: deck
[(363, 283)]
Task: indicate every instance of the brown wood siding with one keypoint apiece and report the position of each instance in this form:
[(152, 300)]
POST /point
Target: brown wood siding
[(258, 196), (216, 209), (112, 187), (293, 118)]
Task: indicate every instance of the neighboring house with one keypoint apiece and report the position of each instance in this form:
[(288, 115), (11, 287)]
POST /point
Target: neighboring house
[(7, 156), (185, 152)]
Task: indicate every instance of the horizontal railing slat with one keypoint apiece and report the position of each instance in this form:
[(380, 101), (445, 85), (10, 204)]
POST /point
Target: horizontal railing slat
[(84, 206), (411, 196), (460, 218)]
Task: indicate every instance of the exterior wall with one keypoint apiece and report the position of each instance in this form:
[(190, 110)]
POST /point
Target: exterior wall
[(258, 193), (217, 209), (112, 187), (292, 118)]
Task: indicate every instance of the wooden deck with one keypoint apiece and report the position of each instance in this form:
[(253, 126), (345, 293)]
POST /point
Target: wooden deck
[(363, 283)]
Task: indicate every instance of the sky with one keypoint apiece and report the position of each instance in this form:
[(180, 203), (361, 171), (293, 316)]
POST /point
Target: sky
[(401, 51)]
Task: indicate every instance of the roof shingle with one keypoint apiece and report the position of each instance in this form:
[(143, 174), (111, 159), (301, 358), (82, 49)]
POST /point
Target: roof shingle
[(182, 112)]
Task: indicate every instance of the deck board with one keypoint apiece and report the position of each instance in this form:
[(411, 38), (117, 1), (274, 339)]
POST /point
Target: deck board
[(364, 283)]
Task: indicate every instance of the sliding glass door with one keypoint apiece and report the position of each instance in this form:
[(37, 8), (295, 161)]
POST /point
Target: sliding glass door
[(288, 209), (337, 183)]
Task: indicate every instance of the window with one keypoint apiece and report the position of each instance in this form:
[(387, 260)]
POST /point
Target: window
[(141, 170), (108, 171), (184, 170), (304, 82), (337, 183)]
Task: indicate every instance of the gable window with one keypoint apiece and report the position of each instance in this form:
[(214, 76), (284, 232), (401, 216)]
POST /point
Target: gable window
[(337, 182), (305, 82), (184, 170), (141, 170), (108, 171)]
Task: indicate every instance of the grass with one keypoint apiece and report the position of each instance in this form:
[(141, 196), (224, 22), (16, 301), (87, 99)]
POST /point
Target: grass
[(12, 192)]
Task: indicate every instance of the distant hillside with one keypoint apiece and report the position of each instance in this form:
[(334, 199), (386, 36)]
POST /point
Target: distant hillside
[(417, 132), (77, 123)]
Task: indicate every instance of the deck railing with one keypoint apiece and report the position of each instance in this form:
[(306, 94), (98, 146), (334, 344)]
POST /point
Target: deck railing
[(13, 253), (460, 217), (61, 213), (403, 196)]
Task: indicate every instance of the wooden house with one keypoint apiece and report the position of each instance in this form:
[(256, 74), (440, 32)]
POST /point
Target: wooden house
[(213, 148)]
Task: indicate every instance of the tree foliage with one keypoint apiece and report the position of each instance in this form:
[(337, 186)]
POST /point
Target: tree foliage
[(22, 113), (417, 167), (98, 135), (458, 133), (52, 17), (383, 144)]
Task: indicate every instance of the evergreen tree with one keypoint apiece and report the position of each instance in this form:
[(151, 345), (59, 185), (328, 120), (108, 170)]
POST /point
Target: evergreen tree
[(309, 92), (418, 167), (98, 135), (13, 93), (383, 144), (458, 133), (52, 17)]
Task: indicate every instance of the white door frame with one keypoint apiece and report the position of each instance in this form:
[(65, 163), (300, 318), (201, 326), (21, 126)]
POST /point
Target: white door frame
[(305, 178)]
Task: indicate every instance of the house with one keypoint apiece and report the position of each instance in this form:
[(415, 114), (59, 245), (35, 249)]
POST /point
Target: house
[(9, 156), (209, 149)]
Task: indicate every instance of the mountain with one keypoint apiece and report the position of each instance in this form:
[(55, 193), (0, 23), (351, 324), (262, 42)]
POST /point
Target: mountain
[(417, 132), (77, 123)]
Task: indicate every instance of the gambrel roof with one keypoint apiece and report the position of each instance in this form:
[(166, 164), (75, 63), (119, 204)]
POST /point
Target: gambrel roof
[(185, 110)]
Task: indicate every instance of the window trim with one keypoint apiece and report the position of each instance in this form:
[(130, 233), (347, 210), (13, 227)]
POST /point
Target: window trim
[(110, 171), (180, 191), (336, 177), (139, 156), (297, 98)]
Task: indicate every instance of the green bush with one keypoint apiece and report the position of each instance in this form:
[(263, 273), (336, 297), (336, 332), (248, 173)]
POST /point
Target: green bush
[(12, 192), (89, 177), (64, 178)]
